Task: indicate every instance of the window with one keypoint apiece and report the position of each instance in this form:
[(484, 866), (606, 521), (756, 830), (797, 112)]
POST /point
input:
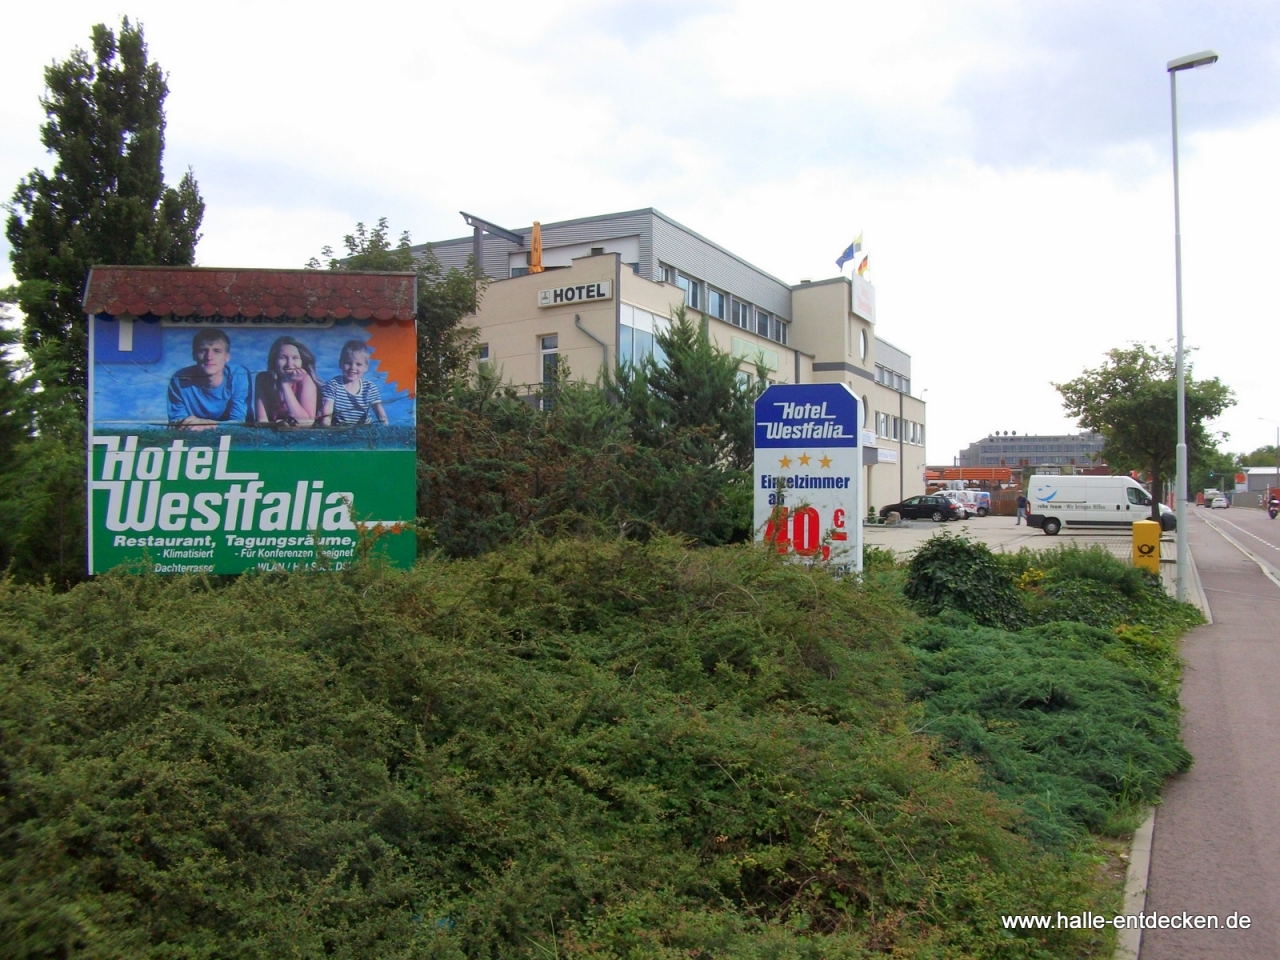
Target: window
[(782, 332), (762, 323), (666, 274), (550, 356), (744, 379), (741, 315), (550, 364), (691, 289), (862, 344), (715, 303), (897, 428), (519, 271), (866, 411), (1138, 496), (482, 352)]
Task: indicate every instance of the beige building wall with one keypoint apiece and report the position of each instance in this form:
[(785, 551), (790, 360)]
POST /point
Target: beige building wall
[(512, 324), (844, 348)]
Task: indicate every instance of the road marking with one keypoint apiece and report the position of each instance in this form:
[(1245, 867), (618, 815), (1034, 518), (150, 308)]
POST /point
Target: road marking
[(1265, 543), (1249, 596), (1262, 564)]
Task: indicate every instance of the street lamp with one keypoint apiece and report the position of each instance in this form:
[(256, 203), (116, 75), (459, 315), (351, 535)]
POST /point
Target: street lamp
[(1202, 59), (1277, 423)]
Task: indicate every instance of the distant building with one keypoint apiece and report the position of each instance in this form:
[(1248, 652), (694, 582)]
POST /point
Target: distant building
[(1070, 453), (1260, 479)]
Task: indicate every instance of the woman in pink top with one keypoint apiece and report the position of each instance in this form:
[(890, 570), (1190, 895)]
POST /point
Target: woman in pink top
[(288, 391)]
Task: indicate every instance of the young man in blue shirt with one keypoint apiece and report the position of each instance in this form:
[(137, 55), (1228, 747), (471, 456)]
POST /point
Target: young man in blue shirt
[(210, 391)]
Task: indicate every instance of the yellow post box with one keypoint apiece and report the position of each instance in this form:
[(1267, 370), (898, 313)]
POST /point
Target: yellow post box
[(1146, 545)]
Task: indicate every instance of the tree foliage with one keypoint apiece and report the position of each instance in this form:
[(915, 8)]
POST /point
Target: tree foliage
[(1132, 401), (663, 448), (106, 200), (1261, 457), (445, 298)]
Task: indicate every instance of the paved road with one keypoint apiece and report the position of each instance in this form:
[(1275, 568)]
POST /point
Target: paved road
[(1252, 529), (1216, 849)]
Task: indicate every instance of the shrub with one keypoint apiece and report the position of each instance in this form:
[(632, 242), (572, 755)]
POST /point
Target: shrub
[(583, 748), (954, 573), (1074, 723), (1095, 587)]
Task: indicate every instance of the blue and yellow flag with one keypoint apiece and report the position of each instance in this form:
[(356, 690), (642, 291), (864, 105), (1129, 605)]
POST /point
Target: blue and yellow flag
[(850, 252)]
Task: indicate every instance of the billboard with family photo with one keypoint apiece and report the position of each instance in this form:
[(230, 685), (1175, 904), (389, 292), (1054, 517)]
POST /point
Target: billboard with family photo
[(235, 436)]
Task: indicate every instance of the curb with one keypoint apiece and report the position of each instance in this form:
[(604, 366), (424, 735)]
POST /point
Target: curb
[(1129, 942), (1196, 589)]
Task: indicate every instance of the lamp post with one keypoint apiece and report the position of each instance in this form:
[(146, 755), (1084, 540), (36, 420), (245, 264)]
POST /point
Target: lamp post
[(1277, 423), (1202, 59)]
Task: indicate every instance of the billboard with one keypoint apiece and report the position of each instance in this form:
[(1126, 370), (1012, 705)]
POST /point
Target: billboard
[(247, 437), (808, 472)]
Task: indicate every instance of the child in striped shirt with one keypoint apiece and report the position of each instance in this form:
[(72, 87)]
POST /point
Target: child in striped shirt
[(349, 398)]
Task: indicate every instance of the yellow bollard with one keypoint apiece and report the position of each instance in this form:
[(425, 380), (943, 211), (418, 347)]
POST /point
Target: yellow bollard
[(1146, 545)]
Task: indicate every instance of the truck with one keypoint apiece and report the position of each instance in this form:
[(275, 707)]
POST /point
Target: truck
[(1099, 503)]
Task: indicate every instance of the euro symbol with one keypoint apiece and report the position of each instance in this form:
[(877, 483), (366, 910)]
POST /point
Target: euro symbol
[(1146, 549)]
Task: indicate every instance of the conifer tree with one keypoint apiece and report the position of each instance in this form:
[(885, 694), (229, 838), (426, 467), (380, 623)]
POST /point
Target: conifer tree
[(106, 200)]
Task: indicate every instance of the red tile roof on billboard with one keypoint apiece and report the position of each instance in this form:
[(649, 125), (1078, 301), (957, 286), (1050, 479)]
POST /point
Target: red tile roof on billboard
[(210, 292)]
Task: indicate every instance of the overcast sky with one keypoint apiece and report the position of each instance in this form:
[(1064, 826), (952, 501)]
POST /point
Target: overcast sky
[(1007, 163)]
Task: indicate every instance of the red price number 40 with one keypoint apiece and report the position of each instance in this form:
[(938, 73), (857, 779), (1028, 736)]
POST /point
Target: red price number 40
[(802, 531)]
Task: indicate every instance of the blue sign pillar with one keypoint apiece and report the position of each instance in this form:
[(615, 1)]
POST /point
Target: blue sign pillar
[(809, 495)]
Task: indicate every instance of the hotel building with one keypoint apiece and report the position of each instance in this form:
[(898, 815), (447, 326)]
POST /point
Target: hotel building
[(611, 282)]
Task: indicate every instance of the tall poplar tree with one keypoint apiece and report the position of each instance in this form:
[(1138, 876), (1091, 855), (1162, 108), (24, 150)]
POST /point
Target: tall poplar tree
[(106, 200)]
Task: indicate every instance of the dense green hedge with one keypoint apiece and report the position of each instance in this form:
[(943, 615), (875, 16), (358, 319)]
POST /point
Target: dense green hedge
[(1076, 718), (569, 749)]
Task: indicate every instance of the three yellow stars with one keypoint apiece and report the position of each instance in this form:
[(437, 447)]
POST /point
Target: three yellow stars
[(804, 459)]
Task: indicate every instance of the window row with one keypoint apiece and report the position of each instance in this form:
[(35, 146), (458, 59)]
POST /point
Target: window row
[(898, 428), (893, 380), (723, 306)]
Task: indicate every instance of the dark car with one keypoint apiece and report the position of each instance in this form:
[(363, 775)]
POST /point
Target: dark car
[(933, 508)]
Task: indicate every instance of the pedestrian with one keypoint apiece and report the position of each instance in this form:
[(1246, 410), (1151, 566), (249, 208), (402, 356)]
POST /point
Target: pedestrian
[(1022, 509)]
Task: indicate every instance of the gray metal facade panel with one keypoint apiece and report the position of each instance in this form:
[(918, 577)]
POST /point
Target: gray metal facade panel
[(705, 262), (453, 254), (891, 358), (661, 240)]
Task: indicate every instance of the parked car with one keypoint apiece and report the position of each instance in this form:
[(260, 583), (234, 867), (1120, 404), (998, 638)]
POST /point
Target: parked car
[(1219, 503), (973, 503), (933, 507), (967, 508)]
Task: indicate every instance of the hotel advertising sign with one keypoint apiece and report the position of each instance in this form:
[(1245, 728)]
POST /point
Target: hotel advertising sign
[(581, 293), (250, 419), (808, 472)]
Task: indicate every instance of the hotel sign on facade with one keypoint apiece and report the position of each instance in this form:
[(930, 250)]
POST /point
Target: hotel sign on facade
[(582, 293)]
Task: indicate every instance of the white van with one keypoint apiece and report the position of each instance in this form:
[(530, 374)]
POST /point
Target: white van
[(1090, 503)]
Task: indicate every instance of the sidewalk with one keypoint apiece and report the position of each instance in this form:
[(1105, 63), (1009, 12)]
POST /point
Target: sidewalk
[(1216, 847)]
